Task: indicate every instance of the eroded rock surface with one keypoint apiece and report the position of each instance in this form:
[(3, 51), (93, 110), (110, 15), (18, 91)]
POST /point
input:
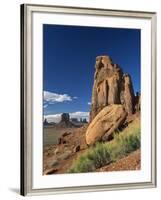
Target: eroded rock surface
[(110, 86), (109, 119)]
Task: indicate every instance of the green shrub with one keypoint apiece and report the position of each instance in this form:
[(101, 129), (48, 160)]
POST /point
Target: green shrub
[(84, 165), (103, 153), (94, 158), (100, 155), (126, 142)]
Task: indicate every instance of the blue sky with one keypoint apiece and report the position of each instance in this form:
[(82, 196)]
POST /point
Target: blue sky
[(69, 54)]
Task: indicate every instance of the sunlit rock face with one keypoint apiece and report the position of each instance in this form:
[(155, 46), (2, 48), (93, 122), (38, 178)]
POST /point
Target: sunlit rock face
[(111, 86)]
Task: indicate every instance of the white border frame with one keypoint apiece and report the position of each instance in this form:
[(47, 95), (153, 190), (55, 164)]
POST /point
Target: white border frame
[(27, 145)]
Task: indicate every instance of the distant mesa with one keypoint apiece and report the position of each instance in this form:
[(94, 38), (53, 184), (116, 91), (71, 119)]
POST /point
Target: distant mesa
[(84, 120), (73, 122), (66, 122), (46, 123), (65, 117), (79, 122)]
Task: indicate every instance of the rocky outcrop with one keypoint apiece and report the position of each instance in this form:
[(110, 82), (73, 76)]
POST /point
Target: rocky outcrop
[(76, 148), (109, 119), (137, 102), (128, 94), (45, 123), (112, 100), (59, 157), (110, 86), (65, 117), (65, 121)]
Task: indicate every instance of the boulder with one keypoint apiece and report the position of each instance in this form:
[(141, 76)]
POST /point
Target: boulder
[(105, 123), (76, 148), (50, 171), (56, 151), (65, 155), (61, 140), (54, 163), (65, 134)]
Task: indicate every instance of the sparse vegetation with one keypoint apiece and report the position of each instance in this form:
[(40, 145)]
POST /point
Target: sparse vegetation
[(102, 154)]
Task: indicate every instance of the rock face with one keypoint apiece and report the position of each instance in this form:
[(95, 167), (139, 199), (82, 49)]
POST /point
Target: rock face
[(109, 119), (137, 102), (110, 86), (112, 100), (128, 94)]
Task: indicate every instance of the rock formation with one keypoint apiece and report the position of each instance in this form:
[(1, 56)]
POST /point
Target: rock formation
[(110, 86), (137, 102), (127, 94), (109, 119), (65, 121), (113, 100), (65, 117), (45, 123)]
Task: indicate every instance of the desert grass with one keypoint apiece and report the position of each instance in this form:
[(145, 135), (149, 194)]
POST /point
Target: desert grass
[(102, 154)]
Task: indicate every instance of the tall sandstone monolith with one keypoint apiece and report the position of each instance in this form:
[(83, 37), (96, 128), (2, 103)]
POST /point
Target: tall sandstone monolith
[(111, 86)]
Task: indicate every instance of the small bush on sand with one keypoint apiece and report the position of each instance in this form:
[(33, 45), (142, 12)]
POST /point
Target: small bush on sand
[(94, 158)]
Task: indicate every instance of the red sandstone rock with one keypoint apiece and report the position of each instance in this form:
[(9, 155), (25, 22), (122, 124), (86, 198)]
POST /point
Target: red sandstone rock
[(105, 123), (110, 86)]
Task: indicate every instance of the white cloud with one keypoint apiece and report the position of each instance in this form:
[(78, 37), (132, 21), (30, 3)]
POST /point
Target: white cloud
[(53, 118), (56, 117), (51, 97), (79, 114), (45, 105), (89, 103)]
